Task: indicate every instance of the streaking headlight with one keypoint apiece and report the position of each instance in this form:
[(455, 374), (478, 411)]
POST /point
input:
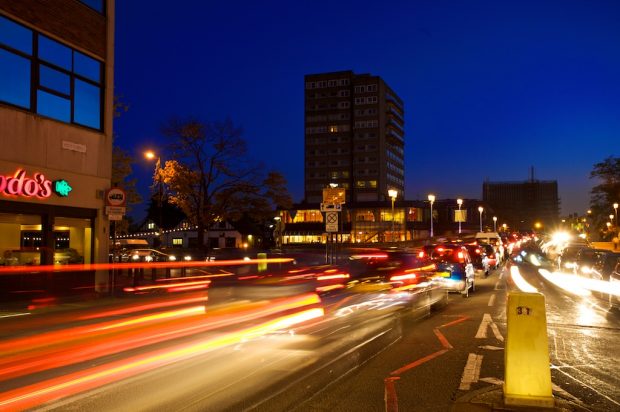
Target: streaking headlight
[(569, 265), (587, 270), (148, 258), (187, 257), (246, 258), (560, 237), (135, 257), (172, 258)]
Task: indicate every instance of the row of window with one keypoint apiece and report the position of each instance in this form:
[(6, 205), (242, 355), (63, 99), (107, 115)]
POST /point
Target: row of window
[(324, 163), (365, 136), (327, 83), (366, 148), (328, 129), (365, 100), (42, 75), (395, 168), (366, 124), (395, 180), (366, 88), (366, 112), (323, 152), (393, 156), (329, 106), (366, 184), (325, 95), (366, 159), (366, 172), (324, 118)]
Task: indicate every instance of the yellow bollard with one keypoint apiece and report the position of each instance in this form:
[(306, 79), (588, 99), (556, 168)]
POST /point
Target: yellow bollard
[(262, 266), (526, 358)]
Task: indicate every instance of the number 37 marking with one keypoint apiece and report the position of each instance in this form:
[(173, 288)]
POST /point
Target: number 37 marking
[(524, 310)]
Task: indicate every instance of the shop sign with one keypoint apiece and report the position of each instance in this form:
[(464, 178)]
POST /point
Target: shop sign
[(21, 185), (62, 188)]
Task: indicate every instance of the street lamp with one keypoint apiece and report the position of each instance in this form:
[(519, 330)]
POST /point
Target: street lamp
[(431, 198), (460, 203), (480, 209), (495, 223), (150, 155), (616, 212), (504, 226), (611, 219), (392, 193)]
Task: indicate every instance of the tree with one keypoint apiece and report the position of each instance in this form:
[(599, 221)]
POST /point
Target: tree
[(606, 193), (210, 178)]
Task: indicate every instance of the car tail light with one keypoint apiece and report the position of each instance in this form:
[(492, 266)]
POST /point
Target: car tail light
[(421, 254), (439, 249), (398, 278), (478, 251), (461, 255)]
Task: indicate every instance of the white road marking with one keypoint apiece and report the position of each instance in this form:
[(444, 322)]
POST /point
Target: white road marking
[(484, 325), (489, 347), (11, 315), (492, 381), (471, 373), (497, 285), (492, 300)]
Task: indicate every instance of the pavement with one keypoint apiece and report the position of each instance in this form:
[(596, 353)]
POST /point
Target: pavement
[(492, 399)]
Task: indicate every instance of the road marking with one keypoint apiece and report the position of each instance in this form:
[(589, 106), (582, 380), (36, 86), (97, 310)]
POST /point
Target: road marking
[(471, 373), (12, 315), (391, 400), (501, 274), (492, 381), (484, 325), (497, 285), (492, 300), (489, 347)]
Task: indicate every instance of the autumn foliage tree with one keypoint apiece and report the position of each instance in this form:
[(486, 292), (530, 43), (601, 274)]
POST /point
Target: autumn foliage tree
[(211, 178)]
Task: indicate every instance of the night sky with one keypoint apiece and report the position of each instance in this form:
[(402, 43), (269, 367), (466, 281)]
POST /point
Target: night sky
[(491, 88)]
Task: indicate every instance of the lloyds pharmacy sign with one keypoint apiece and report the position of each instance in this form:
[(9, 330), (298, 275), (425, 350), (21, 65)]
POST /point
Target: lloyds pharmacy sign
[(37, 186)]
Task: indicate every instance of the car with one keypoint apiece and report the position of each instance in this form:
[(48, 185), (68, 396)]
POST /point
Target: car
[(455, 270), (490, 254), (604, 265), (614, 286), (586, 258), (493, 239), (67, 256), (568, 257), (148, 255), (397, 271), (478, 258)]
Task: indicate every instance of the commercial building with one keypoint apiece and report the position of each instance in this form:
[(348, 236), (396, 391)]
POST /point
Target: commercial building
[(354, 137), (56, 109), (525, 205)]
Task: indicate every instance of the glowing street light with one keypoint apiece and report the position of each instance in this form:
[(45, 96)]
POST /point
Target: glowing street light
[(392, 193), (616, 212), (431, 198), (460, 203), (495, 223), (480, 209), (505, 226)]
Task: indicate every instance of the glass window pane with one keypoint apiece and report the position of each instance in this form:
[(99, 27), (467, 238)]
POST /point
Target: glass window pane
[(15, 35), (54, 79), (87, 104), (94, 4), (14, 79), (86, 66), (54, 52), (53, 106)]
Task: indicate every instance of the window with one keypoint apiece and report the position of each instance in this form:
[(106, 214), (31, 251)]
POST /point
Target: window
[(177, 241), (150, 225), (45, 76)]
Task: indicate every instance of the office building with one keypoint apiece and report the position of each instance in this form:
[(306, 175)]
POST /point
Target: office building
[(56, 109), (354, 137)]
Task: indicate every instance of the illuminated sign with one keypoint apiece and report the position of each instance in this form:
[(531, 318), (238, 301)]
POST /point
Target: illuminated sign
[(62, 188), (21, 185)]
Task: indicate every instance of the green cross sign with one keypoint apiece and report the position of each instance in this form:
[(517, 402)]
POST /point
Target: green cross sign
[(62, 188)]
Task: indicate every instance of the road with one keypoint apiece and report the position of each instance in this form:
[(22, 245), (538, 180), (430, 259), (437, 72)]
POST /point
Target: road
[(296, 353)]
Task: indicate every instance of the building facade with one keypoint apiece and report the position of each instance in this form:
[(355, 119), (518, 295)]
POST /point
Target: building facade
[(354, 137), (56, 109), (525, 205)]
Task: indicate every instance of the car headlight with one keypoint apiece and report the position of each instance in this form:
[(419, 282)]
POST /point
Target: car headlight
[(148, 258), (188, 257), (172, 258), (135, 257)]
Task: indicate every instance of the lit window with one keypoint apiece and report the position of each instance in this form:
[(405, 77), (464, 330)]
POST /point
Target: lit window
[(177, 241), (150, 225)]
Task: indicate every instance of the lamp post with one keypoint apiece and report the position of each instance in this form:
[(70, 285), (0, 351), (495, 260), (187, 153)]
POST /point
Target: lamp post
[(611, 219), (150, 155), (616, 212), (392, 193), (480, 209), (460, 203), (495, 223), (431, 198)]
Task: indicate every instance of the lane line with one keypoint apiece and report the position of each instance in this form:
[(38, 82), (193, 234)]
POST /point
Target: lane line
[(391, 400), (418, 362), (492, 300), (487, 322), (471, 373)]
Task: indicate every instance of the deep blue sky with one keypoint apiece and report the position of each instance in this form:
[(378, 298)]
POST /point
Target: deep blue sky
[(490, 87)]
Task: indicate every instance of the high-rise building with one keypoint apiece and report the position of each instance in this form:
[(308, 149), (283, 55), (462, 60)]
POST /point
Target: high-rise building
[(525, 205), (354, 137), (56, 109)]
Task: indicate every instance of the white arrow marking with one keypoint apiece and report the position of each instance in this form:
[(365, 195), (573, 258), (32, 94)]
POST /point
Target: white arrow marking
[(471, 371), (489, 347), (484, 325), (492, 381)]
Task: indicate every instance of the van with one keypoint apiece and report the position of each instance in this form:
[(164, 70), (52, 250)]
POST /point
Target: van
[(493, 239)]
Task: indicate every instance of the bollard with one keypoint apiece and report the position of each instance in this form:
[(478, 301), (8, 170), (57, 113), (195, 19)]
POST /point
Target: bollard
[(262, 266), (526, 357)]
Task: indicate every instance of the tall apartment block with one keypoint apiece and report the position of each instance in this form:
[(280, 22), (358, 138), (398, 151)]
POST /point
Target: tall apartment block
[(354, 137), (56, 109)]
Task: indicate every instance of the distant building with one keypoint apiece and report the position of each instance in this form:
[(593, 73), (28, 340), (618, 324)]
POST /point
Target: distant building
[(525, 205), (354, 137), (56, 110)]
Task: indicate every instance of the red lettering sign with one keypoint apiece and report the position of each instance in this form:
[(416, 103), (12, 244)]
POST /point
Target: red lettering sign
[(21, 185)]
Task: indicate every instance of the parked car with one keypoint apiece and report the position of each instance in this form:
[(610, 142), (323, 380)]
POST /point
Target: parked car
[(455, 270)]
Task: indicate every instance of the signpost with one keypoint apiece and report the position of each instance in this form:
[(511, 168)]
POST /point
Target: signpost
[(115, 200), (333, 199)]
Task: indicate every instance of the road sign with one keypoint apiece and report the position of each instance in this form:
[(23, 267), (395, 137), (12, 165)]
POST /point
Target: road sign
[(115, 197), (331, 222), (329, 207), (334, 195)]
